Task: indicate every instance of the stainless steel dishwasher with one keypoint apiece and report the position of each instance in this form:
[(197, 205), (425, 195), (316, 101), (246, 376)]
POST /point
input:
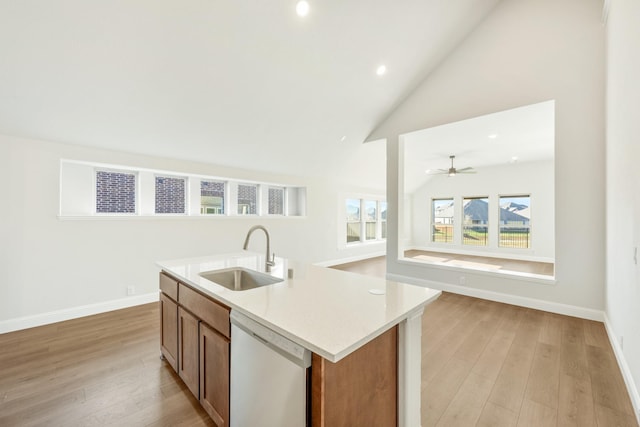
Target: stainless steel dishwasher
[(269, 377)]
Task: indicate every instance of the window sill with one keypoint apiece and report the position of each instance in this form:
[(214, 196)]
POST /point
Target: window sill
[(355, 245), (528, 277), (171, 217)]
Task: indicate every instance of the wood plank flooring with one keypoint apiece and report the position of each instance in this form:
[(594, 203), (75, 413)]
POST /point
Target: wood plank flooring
[(483, 364), (94, 371), (491, 364)]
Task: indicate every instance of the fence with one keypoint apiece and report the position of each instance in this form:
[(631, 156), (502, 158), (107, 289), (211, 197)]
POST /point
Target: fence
[(370, 229), (475, 235), (515, 237), (442, 233), (509, 237)]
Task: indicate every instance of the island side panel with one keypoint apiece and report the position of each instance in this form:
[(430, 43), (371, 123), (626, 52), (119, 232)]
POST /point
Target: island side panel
[(359, 390), (410, 370)]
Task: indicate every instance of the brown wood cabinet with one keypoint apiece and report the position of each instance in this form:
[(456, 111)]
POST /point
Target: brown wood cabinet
[(214, 374), (359, 390), (188, 350), (169, 330), (195, 341)]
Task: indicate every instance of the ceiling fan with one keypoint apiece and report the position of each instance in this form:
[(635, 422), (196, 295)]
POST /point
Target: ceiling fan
[(452, 171)]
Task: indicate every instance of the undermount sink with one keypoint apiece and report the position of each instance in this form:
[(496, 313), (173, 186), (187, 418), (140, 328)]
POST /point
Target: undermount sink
[(239, 279)]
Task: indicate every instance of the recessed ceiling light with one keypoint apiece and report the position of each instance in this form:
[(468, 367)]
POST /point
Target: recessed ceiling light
[(514, 159), (381, 70), (492, 136), (302, 8), (344, 138)]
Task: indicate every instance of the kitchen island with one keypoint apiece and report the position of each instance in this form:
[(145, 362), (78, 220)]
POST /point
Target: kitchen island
[(354, 325)]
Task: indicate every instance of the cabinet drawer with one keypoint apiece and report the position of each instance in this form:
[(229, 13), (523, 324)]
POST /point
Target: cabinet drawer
[(210, 312), (169, 286)]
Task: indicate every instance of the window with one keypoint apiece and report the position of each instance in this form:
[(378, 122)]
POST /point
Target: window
[(383, 220), (171, 195), (100, 190), (353, 220), (370, 219), (247, 199), (212, 197), (515, 227), (366, 220), (475, 222), (115, 192), (276, 201), (442, 220)]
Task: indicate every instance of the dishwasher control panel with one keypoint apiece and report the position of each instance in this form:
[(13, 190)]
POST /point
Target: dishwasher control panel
[(288, 348)]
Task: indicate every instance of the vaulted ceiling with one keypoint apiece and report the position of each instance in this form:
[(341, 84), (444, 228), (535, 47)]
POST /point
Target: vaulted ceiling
[(516, 136), (242, 83)]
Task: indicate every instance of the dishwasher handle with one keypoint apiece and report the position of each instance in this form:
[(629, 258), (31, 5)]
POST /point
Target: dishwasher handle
[(287, 348)]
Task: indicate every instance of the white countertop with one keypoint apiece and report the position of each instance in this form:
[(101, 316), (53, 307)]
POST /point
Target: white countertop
[(328, 311)]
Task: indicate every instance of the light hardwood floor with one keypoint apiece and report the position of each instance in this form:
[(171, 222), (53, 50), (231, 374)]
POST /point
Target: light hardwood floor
[(95, 371), (484, 363), (491, 364)]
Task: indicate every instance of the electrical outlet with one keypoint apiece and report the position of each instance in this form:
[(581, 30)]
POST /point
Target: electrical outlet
[(131, 290), (462, 280)]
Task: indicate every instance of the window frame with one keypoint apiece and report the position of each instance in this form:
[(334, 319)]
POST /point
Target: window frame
[(136, 192), (284, 200), (257, 201), (78, 195), (383, 221), (486, 226), (225, 197), (362, 221), (432, 224), (185, 200), (358, 221), (528, 226), (366, 221)]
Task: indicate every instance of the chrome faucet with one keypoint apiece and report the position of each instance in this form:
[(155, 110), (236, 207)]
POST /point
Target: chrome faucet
[(268, 262)]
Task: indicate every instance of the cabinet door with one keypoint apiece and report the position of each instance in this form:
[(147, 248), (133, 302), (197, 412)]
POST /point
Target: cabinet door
[(188, 352), (169, 330), (214, 375)]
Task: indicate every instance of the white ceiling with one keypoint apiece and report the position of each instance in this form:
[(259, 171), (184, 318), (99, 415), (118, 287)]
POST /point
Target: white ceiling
[(235, 82), (519, 135)]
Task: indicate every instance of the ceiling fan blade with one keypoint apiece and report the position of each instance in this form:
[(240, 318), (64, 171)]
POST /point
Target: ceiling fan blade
[(466, 170), (437, 172)]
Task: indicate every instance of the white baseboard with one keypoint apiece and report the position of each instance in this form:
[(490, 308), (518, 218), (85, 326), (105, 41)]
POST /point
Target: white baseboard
[(552, 307), (632, 388), (355, 258), (26, 322)]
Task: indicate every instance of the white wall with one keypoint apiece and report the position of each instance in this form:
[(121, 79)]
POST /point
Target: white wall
[(49, 264), (533, 178), (526, 51), (623, 185)]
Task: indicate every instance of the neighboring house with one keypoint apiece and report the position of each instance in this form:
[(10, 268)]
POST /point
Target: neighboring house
[(443, 214), (476, 211), (512, 218)]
